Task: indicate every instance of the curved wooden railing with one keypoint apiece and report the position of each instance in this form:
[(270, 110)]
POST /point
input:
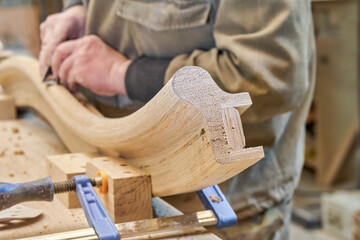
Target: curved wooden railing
[(189, 136)]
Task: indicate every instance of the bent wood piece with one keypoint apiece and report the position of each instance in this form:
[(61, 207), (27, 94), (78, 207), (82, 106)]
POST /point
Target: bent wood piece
[(188, 137)]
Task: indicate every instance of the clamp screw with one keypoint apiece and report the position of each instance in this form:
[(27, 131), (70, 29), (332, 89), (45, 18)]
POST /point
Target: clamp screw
[(70, 185)]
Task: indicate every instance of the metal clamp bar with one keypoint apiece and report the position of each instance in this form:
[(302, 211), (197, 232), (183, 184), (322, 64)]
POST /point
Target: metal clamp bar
[(213, 199), (95, 212)]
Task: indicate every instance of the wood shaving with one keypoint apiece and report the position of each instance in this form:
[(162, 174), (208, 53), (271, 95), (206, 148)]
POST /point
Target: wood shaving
[(19, 152), (14, 129), (215, 198)]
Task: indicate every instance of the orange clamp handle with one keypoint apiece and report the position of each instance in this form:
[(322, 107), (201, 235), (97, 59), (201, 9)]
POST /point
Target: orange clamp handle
[(104, 181)]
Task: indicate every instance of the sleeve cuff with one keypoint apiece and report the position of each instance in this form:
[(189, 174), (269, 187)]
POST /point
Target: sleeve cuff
[(145, 77), (70, 3)]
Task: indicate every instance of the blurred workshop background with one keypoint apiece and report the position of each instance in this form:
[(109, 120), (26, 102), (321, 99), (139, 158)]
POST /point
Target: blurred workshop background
[(327, 201)]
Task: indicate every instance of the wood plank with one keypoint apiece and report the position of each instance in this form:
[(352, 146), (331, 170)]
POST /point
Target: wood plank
[(188, 226), (179, 137), (340, 155), (336, 95)]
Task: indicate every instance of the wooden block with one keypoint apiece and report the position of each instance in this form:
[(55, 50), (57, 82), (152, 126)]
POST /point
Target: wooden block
[(7, 107), (129, 196), (64, 167)]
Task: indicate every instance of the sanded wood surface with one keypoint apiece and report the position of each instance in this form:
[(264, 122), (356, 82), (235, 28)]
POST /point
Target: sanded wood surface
[(179, 137)]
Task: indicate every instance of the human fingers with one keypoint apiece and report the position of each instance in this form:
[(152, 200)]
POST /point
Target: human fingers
[(72, 79), (43, 66), (65, 68), (43, 27), (51, 41), (62, 51)]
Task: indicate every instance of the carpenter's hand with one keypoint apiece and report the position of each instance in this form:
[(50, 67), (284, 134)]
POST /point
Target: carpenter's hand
[(90, 62), (57, 28)]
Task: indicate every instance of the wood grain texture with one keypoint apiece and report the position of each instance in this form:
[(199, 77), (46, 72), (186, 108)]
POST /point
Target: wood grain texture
[(179, 137), (129, 189)]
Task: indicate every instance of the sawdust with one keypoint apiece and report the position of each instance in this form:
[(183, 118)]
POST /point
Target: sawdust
[(29, 133), (19, 137), (45, 226), (18, 152), (2, 153), (11, 175), (15, 130)]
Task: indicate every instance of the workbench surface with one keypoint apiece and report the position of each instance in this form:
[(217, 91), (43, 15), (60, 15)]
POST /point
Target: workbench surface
[(24, 145)]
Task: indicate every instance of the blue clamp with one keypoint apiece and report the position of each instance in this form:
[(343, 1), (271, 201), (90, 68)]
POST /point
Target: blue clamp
[(7, 187), (95, 212), (213, 199)]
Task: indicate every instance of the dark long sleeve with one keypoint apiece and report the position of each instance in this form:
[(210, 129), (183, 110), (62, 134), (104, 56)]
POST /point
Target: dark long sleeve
[(70, 3), (145, 77)]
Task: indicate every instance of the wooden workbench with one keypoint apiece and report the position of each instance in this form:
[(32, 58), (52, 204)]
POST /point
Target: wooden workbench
[(24, 145)]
